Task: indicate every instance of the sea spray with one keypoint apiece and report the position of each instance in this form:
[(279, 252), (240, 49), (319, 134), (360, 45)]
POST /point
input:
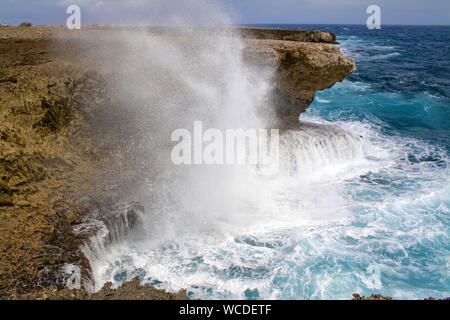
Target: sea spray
[(163, 82), (360, 205), (168, 82)]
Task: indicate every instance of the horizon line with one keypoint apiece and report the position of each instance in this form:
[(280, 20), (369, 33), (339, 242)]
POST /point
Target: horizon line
[(256, 24)]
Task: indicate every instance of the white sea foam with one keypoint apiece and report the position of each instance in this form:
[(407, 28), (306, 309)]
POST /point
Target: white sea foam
[(298, 234), (322, 100), (346, 212), (384, 56)]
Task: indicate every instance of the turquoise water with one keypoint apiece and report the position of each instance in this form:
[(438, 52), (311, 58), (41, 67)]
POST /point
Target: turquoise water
[(366, 209), (401, 92)]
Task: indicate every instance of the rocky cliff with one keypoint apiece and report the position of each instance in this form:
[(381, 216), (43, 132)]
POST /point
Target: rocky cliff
[(302, 68), (58, 156)]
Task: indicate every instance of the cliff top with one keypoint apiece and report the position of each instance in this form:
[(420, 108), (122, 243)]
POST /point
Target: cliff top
[(46, 32)]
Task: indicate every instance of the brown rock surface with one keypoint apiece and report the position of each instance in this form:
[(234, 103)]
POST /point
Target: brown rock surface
[(131, 290), (48, 161), (356, 296)]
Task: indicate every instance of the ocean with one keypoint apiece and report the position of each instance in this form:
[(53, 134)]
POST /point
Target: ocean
[(367, 209)]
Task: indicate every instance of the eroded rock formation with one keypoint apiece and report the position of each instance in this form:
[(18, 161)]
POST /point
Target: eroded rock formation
[(302, 68)]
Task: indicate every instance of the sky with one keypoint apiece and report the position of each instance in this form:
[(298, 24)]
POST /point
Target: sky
[(415, 12)]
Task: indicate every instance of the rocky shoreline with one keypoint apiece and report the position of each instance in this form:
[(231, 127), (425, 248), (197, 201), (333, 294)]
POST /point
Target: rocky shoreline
[(59, 162)]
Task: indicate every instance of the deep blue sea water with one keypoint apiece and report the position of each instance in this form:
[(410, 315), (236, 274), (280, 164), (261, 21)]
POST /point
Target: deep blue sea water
[(369, 211), (401, 92), (402, 79)]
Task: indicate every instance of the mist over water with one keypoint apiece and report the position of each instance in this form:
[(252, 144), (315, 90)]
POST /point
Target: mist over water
[(356, 206)]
